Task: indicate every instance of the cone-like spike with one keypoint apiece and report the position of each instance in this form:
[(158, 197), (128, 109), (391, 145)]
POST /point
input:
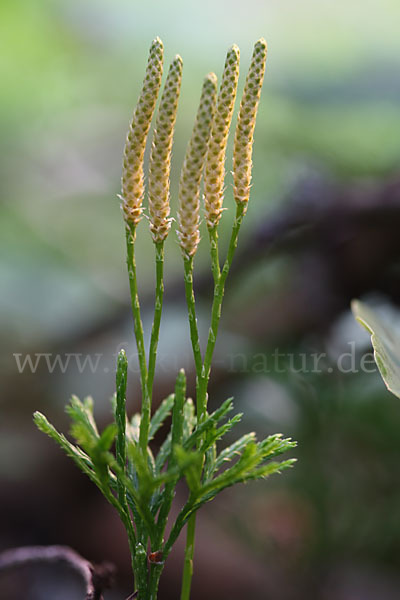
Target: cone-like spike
[(214, 174), (243, 144), (160, 157), (189, 185), (132, 173)]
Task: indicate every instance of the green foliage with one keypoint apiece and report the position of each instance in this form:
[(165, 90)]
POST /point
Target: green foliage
[(386, 344), (147, 485), (131, 481)]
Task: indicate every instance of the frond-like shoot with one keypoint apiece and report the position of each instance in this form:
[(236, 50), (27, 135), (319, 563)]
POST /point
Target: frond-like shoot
[(160, 157), (132, 172), (189, 185), (244, 135), (214, 174)]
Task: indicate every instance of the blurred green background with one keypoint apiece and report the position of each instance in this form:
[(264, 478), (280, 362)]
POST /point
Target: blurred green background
[(322, 227)]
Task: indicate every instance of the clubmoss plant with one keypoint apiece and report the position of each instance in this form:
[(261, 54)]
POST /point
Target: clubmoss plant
[(139, 483)]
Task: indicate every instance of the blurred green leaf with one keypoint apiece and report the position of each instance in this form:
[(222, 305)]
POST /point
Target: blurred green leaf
[(386, 345)]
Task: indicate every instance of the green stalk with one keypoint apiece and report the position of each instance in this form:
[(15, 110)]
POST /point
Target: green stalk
[(188, 562), (120, 419), (138, 326), (219, 289), (176, 440), (146, 373), (213, 235), (120, 450), (154, 580), (178, 526), (155, 333), (140, 568), (194, 336), (190, 301)]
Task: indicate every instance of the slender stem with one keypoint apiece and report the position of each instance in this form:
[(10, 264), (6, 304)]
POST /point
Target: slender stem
[(147, 379), (120, 419), (138, 326), (194, 336), (216, 271), (155, 331), (190, 301), (178, 525), (154, 580), (139, 563), (177, 428), (219, 289), (120, 450), (141, 571), (188, 564)]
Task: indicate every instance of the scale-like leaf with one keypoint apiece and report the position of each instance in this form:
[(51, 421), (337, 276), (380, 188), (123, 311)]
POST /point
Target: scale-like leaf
[(208, 424), (248, 460), (137, 502), (107, 437), (177, 424), (162, 413), (120, 408), (178, 416), (208, 492), (120, 419), (266, 470), (82, 413), (189, 463), (78, 456), (234, 450), (260, 473), (274, 445), (133, 429), (209, 463), (163, 453), (189, 422), (144, 485), (189, 419), (216, 434)]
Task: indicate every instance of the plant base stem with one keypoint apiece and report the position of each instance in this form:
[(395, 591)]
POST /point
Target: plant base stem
[(188, 563)]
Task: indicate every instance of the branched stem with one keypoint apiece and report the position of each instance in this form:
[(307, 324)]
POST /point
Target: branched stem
[(219, 289)]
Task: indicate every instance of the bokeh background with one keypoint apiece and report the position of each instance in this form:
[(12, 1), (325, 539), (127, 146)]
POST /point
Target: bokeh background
[(322, 227)]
